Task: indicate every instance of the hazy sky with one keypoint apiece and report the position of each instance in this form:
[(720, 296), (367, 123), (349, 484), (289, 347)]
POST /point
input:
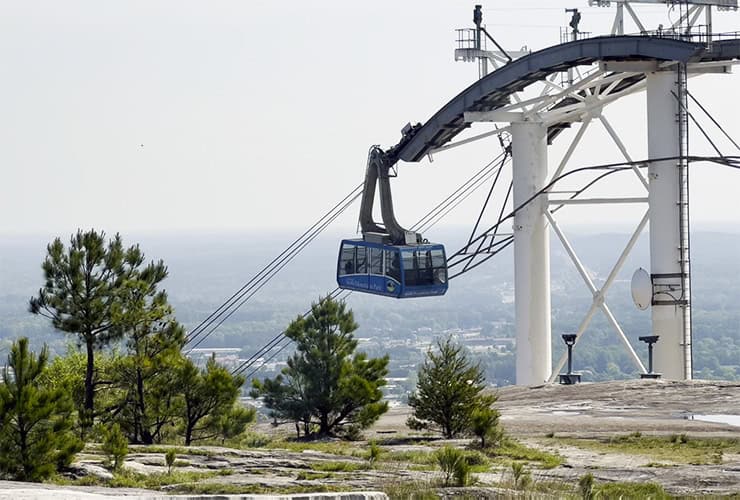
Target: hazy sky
[(144, 115)]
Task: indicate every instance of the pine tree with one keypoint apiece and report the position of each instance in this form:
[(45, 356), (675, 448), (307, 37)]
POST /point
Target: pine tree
[(154, 341), (449, 391), (235, 421), (84, 293), (115, 446), (207, 394), (36, 420), (326, 384)]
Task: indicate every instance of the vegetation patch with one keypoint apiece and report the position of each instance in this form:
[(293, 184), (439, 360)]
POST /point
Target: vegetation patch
[(328, 447), (126, 478), (416, 490), (677, 448), (313, 476), (340, 466), (410, 456), (512, 450), (646, 491), (251, 489)]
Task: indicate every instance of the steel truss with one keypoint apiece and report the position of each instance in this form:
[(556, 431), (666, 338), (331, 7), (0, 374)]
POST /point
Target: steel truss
[(583, 102)]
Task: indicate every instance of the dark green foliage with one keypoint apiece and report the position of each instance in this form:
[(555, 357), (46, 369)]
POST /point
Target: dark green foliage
[(115, 446), (454, 465), (154, 340), (586, 486), (207, 394), (148, 377), (484, 424), (234, 422), (35, 420), (522, 477), (326, 387), (86, 290), (449, 392)]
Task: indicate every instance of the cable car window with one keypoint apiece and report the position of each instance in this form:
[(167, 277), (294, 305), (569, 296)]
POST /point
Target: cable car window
[(438, 259), (426, 273), (410, 269), (376, 261), (361, 260), (439, 263), (392, 265), (347, 260)]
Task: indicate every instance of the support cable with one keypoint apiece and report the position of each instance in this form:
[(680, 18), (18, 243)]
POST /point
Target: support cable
[(713, 120), (266, 273), (427, 221), (701, 129), (730, 161), (279, 340), (244, 297)]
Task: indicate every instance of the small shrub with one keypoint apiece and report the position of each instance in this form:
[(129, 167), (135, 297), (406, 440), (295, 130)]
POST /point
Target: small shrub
[(522, 477), (169, 459), (462, 473), (373, 453), (586, 486), (679, 438), (475, 458), (484, 424), (449, 460), (254, 440), (115, 446), (550, 435)]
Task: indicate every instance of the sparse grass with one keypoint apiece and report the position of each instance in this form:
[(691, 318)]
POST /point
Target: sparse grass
[(559, 489), (250, 489), (129, 479), (250, 440), (329, 447), (645, 491), (677, 448), (340, 466), (512, 450), (410, 456), (313, 476), (412, 490)]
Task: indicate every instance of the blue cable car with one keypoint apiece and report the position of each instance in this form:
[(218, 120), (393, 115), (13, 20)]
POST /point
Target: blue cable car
[(399, 271)]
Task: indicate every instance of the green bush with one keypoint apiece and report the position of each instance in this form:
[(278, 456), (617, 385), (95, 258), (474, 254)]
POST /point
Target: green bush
[(454, 465), (475, 458), (169, 459), (115, 446), (373, 452), (586, 486), (522, 477), (35, 418)]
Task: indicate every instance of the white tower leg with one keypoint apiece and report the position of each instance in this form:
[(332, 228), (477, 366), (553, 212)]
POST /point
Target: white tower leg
[(665, 265), (531, 255)]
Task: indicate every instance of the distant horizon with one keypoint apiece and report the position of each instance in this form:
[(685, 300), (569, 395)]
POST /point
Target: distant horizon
[(618, 228)]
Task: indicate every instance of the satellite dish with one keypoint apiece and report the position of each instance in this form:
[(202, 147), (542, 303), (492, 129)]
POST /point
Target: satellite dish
[(642, 289)]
